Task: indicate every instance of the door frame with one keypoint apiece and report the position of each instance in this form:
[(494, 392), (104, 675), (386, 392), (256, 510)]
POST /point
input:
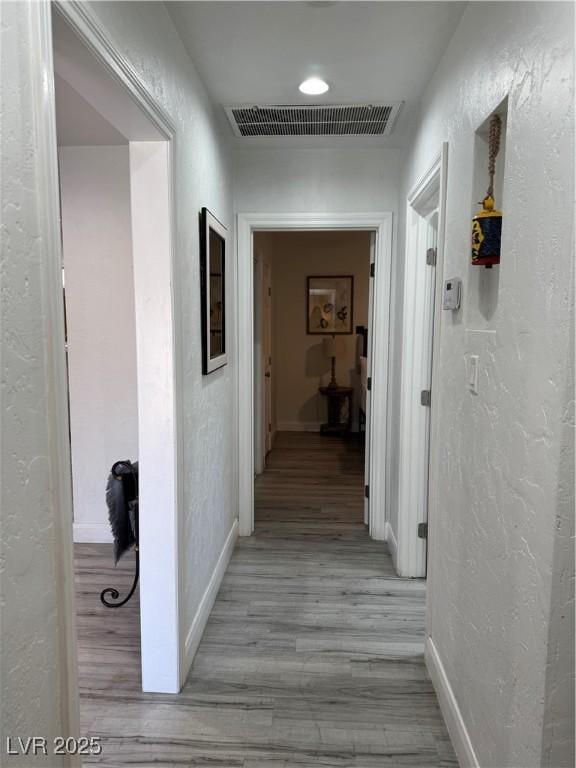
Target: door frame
[(247, 224), (416, 439), (260, 423), (266, 362), (259, 449), (368, 404), (162, 664)]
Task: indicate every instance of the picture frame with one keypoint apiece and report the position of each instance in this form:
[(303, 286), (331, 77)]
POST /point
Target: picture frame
[(213, 292), (330, 305)]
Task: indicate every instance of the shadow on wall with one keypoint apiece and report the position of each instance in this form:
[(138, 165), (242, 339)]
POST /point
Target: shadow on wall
[(312, 411), (316, 364), (484, 288), (489, 287)]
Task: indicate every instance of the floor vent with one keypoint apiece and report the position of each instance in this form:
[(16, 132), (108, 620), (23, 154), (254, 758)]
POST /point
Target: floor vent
[(318, 120)]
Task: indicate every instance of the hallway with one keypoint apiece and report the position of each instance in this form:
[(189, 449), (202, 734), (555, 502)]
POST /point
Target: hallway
[(231, 132), (313, 654)]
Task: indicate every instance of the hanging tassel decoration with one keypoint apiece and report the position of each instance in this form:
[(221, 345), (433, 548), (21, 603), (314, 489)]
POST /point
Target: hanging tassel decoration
[(487, 223)]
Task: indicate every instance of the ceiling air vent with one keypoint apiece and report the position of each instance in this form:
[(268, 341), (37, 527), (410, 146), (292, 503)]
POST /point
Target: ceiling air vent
[(317, 120)]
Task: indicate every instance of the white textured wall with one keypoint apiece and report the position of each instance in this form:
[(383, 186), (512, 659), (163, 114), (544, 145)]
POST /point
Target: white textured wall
[(498, 556), (299, 363), (145, 34), (35, 641), (97, 249), (316, 180)]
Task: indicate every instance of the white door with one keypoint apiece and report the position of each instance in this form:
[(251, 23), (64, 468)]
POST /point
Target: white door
[(369, 378), (429, 228), (267, 357)]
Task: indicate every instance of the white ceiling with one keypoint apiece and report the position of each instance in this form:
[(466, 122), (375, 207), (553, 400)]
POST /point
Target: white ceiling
[(370, 52)]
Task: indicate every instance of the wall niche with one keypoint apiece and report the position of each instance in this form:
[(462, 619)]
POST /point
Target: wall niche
[(484, 283)]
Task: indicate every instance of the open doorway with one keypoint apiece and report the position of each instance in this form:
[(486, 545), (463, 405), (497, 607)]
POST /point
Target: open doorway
[(114, 153), (345, 410), (312, 329)]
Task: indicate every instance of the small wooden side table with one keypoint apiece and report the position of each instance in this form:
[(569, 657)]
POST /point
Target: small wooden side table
[(339, 410)]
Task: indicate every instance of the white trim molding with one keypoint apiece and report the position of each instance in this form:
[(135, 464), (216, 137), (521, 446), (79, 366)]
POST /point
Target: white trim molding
[(449, 707), (39, 29), (198, 625), (420, 324), (99, 41), (381, 224)]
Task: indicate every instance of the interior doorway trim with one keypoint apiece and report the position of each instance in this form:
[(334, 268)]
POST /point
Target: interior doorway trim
[(159, 449), (419, 343), (381, 224)]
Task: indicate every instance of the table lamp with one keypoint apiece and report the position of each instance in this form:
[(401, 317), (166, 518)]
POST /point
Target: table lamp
[(332, 346)]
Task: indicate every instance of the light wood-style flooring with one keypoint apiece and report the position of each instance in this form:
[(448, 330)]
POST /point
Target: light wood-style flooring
[(313, 654)]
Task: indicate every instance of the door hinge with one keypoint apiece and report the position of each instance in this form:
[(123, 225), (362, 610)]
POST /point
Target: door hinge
[(425, 397), (367, 491), (431, 257), (369, 383), (422, 530), (270, 427), (372, 269), (269, 291)]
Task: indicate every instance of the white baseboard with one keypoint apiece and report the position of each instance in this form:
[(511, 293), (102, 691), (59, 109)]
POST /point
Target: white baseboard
[(92, 533), (392, 544), (449, 706), (196, 630), (299, 426)]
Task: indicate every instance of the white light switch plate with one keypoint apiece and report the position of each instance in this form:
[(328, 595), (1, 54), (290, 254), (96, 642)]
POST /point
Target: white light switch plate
[(473, 373)]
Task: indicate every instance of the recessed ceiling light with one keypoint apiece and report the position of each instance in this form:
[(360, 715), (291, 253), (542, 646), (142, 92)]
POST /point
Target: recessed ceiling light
[(313, 86)]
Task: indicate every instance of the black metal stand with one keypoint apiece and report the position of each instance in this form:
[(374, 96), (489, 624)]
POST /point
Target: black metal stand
[(114, 594)]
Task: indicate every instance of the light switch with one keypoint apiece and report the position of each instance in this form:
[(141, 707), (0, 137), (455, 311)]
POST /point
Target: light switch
[(473, 373)]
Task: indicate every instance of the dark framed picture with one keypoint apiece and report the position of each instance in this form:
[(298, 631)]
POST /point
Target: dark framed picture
[(213, 291), (330, 304)]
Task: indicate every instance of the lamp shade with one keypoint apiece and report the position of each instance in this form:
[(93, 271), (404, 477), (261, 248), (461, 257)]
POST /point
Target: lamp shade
[(332, 346)]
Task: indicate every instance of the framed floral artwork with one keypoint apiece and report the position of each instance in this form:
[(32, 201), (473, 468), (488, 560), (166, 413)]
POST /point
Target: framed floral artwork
[(213, 292), (330, 305)]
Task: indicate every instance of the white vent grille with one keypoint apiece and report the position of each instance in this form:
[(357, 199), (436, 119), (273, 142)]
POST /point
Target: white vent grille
[(319, 120)]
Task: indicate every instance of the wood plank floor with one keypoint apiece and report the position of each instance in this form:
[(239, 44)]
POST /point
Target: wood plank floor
[(313, 654)]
